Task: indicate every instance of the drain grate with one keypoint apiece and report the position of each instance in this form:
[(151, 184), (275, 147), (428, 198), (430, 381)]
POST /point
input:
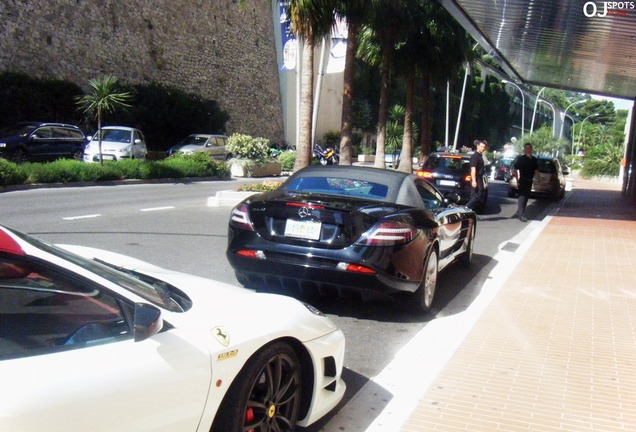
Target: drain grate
[(510, 247)]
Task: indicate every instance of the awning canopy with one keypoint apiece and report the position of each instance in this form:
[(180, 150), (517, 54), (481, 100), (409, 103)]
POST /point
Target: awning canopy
[(571, 45)]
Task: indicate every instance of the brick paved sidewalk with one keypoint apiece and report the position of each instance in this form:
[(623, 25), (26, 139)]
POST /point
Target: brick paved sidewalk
[(556, 348)]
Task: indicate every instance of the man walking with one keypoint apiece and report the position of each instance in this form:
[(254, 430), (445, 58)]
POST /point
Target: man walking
[(525, 170), (477, 171)]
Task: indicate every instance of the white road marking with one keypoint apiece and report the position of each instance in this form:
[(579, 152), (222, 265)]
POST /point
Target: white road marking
[(81, 217), (156, 209)]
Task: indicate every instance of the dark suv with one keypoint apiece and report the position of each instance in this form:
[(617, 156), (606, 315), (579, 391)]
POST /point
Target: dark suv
[(37, 141), (450, 172)]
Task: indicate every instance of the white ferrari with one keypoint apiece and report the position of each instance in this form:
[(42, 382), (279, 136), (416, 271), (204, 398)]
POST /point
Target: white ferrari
[(96, 341)]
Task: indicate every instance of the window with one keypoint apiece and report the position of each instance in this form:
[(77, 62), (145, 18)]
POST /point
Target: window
[(43, 133), (430, 198), (44, 310)]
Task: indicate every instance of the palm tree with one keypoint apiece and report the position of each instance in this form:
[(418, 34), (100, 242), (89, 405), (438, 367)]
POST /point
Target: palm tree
[(311, 20), (104, 97), (377, 44), (444, 47), (356, 13)]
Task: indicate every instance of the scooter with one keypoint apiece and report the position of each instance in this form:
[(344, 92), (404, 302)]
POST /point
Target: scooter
[(328, 156)]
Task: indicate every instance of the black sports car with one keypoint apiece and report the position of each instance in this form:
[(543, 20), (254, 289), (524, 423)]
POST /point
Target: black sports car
[(338, 228)]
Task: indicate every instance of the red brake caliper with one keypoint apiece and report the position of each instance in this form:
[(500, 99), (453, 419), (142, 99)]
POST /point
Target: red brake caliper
[(249, 417)]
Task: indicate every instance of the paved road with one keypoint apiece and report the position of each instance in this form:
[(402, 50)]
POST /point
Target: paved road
[(171, 225)]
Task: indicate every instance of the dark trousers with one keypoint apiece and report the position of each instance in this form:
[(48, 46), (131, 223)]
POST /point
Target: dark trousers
[(476, 194), (525, 187)]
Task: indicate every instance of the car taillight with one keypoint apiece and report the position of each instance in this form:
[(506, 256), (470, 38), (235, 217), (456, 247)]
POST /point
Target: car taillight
[(424, 174), (468, 178), (388, 234), (240, 217), (355, 268)]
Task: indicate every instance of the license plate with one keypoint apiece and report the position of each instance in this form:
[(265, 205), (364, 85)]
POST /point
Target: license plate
[(107, 157), (302, 229), (446, 183)]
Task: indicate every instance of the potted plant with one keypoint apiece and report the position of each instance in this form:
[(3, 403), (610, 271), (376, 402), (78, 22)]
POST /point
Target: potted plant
[(251, 157)]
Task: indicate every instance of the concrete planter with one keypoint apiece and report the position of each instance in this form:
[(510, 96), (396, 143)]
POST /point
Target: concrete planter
[(270, 169), (366, 158)]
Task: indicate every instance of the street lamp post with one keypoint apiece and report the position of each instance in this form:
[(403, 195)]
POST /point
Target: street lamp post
[(581, 130), (523, 106), (565, 113), (553, 116), (536, 102)]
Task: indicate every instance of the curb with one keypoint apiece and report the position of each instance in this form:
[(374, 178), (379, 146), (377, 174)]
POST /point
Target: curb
[(228, 198)]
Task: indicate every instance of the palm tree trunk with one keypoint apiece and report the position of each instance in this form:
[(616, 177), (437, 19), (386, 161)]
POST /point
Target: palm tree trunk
[(99, 134), (425, 137), (406, 157), (346, 146), (304, 145), (383, 115)]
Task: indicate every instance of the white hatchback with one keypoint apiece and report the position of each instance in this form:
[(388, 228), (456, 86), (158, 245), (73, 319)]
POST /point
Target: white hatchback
[(96, 341), (117, 143)]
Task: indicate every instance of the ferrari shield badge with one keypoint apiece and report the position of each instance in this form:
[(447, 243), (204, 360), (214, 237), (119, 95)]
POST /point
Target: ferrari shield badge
[(222, 335)]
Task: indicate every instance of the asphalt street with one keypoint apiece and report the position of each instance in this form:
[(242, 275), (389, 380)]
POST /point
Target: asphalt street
[(172, 225)]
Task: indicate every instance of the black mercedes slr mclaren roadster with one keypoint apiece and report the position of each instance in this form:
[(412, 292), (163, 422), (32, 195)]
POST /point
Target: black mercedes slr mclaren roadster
[(339, 228)]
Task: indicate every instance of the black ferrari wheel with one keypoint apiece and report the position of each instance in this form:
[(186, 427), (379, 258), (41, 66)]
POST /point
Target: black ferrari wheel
[(265, 396), (467, 257), (426, 291)]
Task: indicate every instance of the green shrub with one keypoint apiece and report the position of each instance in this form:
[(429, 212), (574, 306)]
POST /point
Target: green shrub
[(70, 171), (245, 147), (193, 165), (265, 186), (287, 160), (331, 139), (10, 174)]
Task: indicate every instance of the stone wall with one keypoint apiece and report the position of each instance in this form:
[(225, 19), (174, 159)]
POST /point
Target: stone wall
[(207, 47)]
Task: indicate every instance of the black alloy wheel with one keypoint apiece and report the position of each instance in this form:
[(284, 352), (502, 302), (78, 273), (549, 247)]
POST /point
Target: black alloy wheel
[(265, 396), (19, 156), (467, 257), (78, 155), (426, 291)]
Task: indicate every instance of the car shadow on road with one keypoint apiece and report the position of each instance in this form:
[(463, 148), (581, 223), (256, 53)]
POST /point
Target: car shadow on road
[(401, 308)]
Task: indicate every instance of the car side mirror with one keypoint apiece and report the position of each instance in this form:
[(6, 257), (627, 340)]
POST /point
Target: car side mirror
[(137, 141), (147, 321), (451, 198)]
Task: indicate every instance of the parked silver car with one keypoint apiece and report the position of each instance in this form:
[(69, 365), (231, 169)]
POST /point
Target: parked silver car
[(213, 145), (118, 142), (551, 180)]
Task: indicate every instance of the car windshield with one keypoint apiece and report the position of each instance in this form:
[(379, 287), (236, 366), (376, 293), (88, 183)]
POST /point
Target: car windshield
[(17, 130), (195, 140), (146, 287), (115, 135), (446, 163), (546, 166), (339, 186)]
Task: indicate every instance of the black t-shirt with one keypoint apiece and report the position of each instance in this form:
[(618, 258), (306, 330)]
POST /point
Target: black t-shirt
[(526, 166), (477, 161)]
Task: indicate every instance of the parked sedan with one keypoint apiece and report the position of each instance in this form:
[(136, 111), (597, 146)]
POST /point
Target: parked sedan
[(450, 172), (38, 141), (212, 145), (344, 228), (92, 340), (117, 143), (551, 180), (501, 169)]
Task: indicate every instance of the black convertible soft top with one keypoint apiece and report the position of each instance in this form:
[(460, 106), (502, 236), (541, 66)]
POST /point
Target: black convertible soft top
[(401, 186)]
